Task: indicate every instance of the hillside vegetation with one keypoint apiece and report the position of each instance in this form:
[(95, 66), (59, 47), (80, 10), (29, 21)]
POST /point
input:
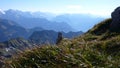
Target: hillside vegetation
[(97, 48)]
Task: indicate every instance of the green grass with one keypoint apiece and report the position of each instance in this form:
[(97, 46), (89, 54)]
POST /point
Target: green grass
[(101, 28), (95, 49)]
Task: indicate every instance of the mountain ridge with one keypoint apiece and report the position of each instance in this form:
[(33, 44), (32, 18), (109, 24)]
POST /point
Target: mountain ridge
[(50, 36), (10, 29)]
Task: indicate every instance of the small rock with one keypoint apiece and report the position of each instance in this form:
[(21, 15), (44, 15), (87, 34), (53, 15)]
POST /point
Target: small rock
[(60, 37)]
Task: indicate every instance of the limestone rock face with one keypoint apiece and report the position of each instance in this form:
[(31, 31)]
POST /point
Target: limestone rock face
[(115, 24)]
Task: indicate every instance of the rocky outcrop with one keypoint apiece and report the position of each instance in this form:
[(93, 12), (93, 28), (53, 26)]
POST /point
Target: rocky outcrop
[(115, 24), (60, 37)]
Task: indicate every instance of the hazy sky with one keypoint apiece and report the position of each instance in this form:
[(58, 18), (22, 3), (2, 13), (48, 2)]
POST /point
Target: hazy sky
[(96, 7)]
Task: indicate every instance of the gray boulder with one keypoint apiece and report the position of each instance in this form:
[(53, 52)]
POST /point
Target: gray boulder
[(115, 24)]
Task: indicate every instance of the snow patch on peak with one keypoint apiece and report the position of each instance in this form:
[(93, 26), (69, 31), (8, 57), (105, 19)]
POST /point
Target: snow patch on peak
[(1, 11)]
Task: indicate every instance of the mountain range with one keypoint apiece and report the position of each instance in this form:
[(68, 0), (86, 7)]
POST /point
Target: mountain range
[(66, 22), (29, 20), (10, 29)]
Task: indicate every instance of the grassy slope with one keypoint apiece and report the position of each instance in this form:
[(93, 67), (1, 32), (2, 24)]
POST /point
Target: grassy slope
[(99, 47)]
